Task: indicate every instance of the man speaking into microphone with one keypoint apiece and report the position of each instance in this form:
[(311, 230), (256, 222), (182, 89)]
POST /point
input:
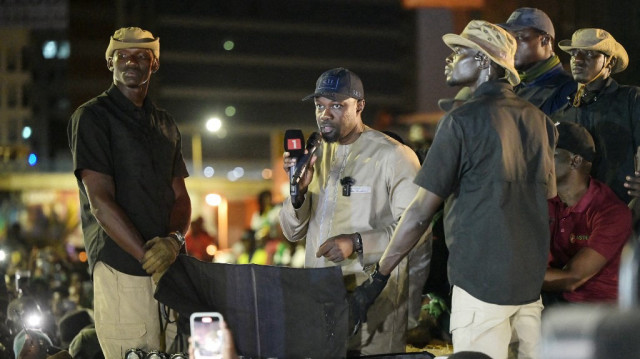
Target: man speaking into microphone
[(348, 202)]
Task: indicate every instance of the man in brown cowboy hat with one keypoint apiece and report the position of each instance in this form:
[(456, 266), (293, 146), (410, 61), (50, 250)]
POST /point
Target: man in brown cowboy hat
[(543, 80), (609, 111), (491, 162), (128, 163)]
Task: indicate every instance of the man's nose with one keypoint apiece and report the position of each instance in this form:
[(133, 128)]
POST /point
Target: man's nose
[(326, 113)]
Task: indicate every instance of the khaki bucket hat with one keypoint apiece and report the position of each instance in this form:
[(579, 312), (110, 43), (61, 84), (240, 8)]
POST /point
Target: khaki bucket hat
[(490, 39), (597, 40), (133, 37)]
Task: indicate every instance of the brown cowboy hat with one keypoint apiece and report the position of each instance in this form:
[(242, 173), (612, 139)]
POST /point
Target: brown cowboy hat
[(597, 40)]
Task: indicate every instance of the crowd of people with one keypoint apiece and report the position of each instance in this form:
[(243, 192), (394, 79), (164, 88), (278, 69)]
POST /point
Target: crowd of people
[(531, 173)]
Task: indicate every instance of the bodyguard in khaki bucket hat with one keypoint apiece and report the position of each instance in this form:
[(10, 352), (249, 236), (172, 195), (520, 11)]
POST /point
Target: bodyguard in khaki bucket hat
[(608, 110), (490, 39), (601, 41), (130, 171), (491, 161)]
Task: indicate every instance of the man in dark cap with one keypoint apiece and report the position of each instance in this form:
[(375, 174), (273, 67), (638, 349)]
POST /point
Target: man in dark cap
[(489, 156), (543, 80), (128, 163), (350, 200), (589, 225), (609, 111)]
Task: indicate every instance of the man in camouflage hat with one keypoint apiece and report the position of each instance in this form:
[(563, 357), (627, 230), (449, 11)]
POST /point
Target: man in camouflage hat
[(491, 162), (609, 111), (128, 164)]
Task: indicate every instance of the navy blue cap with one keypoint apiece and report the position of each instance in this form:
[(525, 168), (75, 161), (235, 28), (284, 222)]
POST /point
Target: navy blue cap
[(338, 84), (576, 139), (528, 17)]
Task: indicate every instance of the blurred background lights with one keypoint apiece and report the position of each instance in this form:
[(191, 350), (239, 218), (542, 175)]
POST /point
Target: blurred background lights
[(26, 132), (209, 171), (238, 172), (64, 50), (32, 159), (267, 173), (213, 199), (230, 111), (228, 45), (53, 49), (231, 176), (49, 49), (214, 124), (34, 320), (211, 249), (3, 255)]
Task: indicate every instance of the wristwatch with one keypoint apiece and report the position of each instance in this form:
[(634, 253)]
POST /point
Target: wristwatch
[(178, 236), (357, 243)]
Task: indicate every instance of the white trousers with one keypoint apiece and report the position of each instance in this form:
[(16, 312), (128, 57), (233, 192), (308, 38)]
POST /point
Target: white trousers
[(490, 328)]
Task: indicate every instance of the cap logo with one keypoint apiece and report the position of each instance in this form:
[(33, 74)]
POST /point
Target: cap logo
[(330, 83)]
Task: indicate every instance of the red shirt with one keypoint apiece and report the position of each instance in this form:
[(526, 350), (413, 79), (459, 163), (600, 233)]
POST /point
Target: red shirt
[(599, 221)]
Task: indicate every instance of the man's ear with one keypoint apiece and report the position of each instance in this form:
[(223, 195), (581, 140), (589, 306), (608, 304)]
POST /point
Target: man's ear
[(360, 106), (612, 63), (110, 63), (484, 61), (155, 66), (576, 161)]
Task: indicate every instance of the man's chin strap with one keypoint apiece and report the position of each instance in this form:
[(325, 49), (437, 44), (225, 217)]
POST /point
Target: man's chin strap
[(582, 87)]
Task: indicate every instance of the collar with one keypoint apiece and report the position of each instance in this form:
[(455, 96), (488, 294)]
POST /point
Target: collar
[(586, 199), (123, 102), (493, 87), (539, 69), (587, 97)]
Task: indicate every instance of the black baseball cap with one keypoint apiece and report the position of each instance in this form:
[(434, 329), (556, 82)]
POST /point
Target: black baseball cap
[(576, 139), (528, 17), (338, 84)]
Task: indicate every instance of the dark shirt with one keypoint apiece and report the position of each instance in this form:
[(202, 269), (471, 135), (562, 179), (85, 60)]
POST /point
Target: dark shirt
[(141, 149), (611, 116), (549, 91), (492, 160), (600, 221)]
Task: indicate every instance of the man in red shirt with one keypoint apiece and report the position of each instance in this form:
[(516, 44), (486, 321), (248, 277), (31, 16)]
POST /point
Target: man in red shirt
[(589, 225)]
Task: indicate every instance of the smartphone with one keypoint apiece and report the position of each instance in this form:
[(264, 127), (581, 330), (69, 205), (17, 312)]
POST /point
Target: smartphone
[(206, 335)]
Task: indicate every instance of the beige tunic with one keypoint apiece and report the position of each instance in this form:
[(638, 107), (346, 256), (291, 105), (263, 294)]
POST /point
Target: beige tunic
[(383, 170)]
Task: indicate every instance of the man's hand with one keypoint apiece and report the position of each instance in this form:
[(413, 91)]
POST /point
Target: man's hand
[(161, 253), (633, 184), (306, 178), (363, 297), (337, 248)]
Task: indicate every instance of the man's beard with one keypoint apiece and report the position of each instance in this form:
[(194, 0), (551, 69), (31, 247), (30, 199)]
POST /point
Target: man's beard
[(331, 137)]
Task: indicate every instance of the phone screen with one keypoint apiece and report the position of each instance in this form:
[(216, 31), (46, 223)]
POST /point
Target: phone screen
[(206, 335)]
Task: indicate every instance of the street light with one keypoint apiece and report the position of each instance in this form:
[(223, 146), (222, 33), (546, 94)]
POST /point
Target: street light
[(212, 125)]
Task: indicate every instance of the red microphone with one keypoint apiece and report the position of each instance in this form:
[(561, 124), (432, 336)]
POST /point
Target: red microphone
[(293, 140)]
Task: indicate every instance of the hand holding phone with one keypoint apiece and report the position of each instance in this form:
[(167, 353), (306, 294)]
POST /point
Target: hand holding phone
[(207, 336)]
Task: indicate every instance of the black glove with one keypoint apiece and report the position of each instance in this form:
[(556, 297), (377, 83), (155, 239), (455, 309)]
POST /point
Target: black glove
[(363, 297)]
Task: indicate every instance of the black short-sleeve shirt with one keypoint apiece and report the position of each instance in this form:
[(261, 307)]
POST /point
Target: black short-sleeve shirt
[(141, 149), (492, 160)]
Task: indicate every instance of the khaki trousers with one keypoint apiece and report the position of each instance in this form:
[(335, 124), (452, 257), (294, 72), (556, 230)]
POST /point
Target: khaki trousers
[(490, 328), (126, 314)]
